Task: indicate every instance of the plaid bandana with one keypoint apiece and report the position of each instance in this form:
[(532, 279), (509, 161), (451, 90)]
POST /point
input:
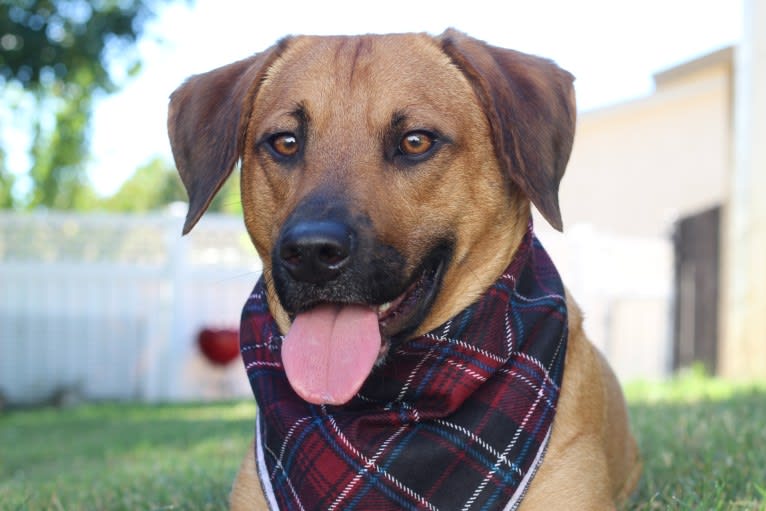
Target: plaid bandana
[(458, 418)]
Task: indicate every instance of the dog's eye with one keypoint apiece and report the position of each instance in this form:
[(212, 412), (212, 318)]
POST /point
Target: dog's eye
[(284, 144), (416, 143)]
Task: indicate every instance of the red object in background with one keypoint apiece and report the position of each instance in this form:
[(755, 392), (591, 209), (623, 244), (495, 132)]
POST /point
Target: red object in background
[(220, 346)]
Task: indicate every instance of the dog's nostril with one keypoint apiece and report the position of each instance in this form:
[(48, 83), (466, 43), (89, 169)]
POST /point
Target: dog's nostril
[(316, 251), (290, 254), (331, 254)]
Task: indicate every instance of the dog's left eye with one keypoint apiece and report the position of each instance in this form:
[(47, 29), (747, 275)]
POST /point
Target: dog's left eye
[(284, 144), (417, 143)]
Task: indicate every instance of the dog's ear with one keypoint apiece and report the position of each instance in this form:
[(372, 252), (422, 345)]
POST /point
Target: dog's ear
[(530, 105), (207, 117)]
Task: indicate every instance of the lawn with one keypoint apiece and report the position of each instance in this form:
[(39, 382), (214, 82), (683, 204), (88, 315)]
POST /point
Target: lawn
[(703, 440), (118, 456)]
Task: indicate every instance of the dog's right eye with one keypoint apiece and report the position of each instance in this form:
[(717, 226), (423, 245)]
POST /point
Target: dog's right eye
[(416, 143), (284, 145)]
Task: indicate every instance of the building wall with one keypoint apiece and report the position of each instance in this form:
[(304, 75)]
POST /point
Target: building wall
[(742, 352), (638, 166)]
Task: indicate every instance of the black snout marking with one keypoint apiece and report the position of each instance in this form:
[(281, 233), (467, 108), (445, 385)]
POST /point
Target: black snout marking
[(316, 251), (328, 252)]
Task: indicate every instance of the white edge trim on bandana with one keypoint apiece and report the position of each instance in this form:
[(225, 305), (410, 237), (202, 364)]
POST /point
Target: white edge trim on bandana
[(521, 491), (263, 471)]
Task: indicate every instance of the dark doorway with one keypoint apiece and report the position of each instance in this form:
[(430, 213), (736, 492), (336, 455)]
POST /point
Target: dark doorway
[(696, 241)]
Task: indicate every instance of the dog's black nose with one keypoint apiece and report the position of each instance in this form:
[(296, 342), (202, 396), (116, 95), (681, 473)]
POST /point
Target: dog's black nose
[(316, 251)]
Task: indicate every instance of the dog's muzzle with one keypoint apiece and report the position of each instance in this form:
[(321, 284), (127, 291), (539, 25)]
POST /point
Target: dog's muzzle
[(348, 296), (326, 254)]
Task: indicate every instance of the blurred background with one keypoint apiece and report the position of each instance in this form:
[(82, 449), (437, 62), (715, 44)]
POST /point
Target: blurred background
[(101, 297)]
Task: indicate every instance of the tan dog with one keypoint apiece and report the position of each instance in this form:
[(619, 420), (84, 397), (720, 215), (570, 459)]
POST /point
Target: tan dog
[(420, 152)]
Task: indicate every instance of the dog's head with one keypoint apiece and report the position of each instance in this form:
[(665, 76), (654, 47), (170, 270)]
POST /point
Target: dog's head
[(386, 181)]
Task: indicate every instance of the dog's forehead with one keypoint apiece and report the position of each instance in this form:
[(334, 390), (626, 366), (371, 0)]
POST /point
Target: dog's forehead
[(376, 72), (372, 53)]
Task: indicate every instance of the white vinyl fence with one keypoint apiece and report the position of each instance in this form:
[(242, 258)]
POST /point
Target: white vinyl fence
[(624, 287), (109, 306)]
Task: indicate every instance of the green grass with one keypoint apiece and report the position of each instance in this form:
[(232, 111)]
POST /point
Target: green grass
[(703, 442), (118, 456)]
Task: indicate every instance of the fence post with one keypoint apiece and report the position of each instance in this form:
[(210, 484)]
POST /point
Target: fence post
[(178, 277)]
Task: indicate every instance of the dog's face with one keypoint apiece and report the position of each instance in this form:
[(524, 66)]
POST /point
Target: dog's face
[(377, 166), (386, 182)]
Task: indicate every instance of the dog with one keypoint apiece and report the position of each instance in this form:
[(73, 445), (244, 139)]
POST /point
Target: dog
[(387, 184)]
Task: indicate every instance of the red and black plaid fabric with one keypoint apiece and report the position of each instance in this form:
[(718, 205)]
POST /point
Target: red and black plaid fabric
[(456, 419)]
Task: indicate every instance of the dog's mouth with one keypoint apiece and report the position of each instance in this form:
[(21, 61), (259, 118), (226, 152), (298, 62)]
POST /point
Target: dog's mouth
[(401, 316), (331, 348)]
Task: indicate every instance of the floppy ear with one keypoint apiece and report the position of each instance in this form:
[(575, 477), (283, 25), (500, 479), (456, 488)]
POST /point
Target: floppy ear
[(207, 117), (530, 105)]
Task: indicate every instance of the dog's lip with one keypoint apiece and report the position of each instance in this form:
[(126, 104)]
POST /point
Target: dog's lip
[(388, 309), (403, 314), (400, 316)]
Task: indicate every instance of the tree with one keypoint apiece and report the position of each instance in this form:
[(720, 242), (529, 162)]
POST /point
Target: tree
[(157, 184), (56, 50), (151, 186), (6, 184)]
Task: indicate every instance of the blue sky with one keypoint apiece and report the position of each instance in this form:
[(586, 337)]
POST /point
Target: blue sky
[(612, 47)]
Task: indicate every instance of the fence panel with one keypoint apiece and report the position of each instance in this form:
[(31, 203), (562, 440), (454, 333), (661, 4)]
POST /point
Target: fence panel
[(624, 286), (109, 306)]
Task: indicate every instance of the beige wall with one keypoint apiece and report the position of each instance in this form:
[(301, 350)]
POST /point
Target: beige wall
[(742, 351), (637, 167)]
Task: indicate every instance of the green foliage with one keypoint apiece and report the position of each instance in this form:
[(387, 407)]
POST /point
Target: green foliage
[(157, 184), (56, 50), (57, 169), (151, 186), (6, 184), (47, 41)]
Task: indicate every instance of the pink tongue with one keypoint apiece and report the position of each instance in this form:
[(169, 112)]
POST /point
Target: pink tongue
[(330, 350)]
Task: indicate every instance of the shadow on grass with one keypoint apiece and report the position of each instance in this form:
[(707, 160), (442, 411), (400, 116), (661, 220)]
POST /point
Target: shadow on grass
[(705, 454)]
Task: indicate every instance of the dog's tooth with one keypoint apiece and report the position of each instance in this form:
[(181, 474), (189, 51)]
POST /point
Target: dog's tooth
[(384, 307)]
